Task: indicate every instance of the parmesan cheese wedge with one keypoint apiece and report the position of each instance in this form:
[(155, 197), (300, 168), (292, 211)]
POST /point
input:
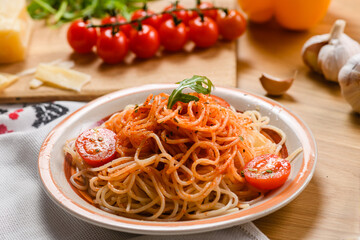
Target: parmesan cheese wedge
[(35, 83), (61, 77), (6, 79), (15, 30)]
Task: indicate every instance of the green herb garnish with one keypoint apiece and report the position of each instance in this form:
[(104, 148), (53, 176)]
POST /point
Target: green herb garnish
[(61, 11), (268, 171), (195, 83)]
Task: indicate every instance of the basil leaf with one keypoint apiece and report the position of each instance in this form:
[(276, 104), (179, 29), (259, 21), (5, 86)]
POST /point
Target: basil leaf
[(199, 84), (187, 98)]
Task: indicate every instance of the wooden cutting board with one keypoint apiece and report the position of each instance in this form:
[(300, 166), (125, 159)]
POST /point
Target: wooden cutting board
[(48, 44)]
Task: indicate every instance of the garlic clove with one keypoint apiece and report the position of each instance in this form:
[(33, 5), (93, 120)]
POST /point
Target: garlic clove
[(334, 55), (275, 86), (331, 59), (311, 49), (349, 80)]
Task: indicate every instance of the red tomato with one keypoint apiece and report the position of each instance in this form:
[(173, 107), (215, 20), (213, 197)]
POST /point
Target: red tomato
[(267, 172), (231, 26), (154, 21), (182, 14), (96, 146), (203, 33), (146, 42), (112, 48), (112, 19), (81, 38), (208, 13), (220, 101), (172, 37), (192, 15)]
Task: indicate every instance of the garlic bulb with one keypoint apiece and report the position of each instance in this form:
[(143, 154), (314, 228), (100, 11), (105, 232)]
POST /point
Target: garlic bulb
[(349, 80), (311, 49), (333, 56), (327, 53)]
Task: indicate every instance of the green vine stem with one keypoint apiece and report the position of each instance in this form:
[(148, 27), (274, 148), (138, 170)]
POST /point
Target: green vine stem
[(171, 11)]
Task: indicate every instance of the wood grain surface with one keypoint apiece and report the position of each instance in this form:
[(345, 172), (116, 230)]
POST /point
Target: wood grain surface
[(329, 208), (49, 44)]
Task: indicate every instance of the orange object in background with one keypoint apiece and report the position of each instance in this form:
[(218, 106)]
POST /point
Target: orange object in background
[(290, 14), (258, 11)]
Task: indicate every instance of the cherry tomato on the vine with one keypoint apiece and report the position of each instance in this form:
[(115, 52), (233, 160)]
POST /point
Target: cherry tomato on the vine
[(113, 19), (173, 37), (192, 15), (145, 42), (208, 13), (81, 38), (181, 14), (267, 172), (232, 25), (204, 32), (112, 48), (154, 21), (96, 146)]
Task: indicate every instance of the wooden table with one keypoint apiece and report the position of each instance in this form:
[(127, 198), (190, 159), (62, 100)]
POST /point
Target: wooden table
[(329, 208)]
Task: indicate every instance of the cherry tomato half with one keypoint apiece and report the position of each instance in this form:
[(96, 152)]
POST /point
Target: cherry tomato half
[(146, 42), (173, 37), (204, 33), (231, 26), (96, 146), (208, 13), (182, 14), (153, 21), (113, 19), (81, 38), (220, 101), (112, 48), (267, 172)]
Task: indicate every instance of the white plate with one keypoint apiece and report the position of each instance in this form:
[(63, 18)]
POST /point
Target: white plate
[(51, 162)]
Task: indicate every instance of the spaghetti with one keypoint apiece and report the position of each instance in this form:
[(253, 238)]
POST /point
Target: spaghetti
[(177, 164)]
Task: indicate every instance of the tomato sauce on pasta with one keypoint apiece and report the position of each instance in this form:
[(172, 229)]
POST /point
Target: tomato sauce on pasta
[(176, 164)]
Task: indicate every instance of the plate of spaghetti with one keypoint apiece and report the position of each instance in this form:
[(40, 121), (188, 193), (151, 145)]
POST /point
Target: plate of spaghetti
[(177, 159)]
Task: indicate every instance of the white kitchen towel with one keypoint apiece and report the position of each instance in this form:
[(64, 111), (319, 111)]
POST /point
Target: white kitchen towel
[(26, 212)]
